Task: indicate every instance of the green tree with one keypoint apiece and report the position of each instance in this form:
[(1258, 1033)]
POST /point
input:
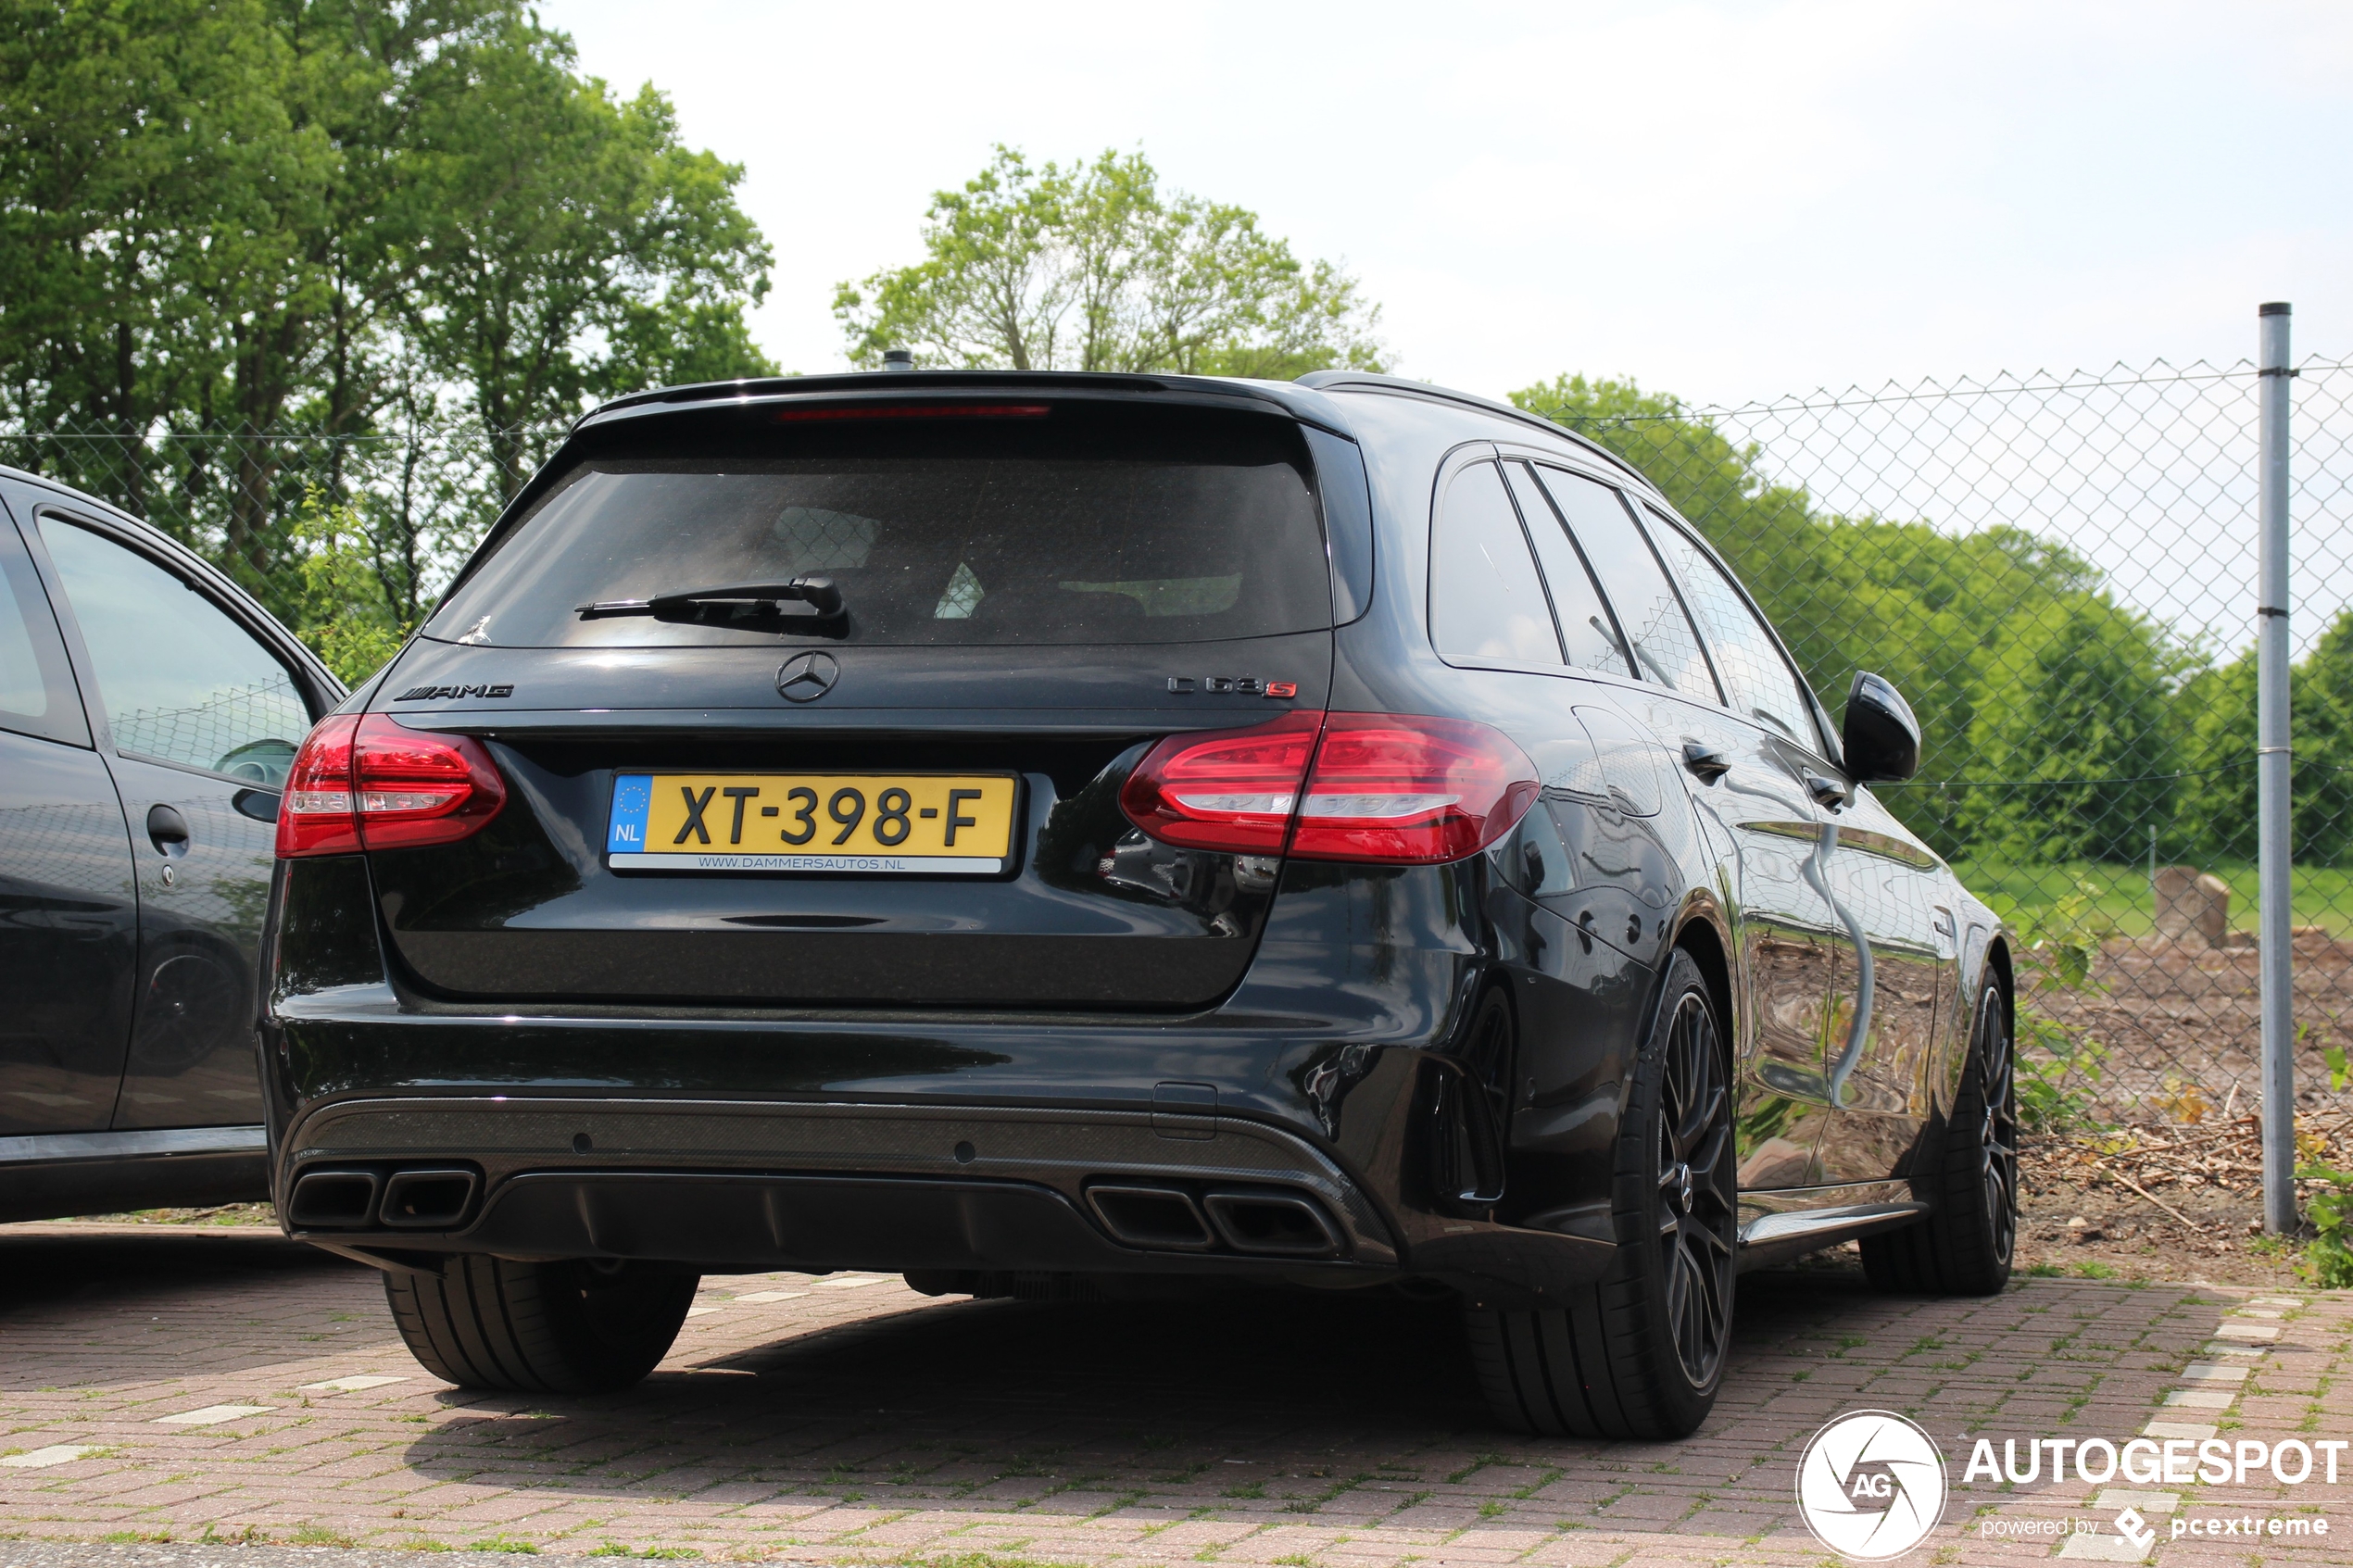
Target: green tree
[(2219, 813), (1095, 268), (2075, 724), (242, 235), (589, 252), (154, 189)]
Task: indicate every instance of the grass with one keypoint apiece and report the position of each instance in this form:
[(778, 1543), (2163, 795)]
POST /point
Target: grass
[(2323, 894)]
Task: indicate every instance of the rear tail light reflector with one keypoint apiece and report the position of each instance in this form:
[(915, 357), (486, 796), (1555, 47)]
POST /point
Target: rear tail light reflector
[(315, 815), (1234, 790), (1394, 789), (1402, 789), (364, 782)]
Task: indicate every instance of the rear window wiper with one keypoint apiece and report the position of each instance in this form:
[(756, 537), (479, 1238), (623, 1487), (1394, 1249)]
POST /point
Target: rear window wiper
[(749, 603)]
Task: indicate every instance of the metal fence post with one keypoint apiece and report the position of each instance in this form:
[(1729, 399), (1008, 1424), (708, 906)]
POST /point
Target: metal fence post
[(2274, 804)]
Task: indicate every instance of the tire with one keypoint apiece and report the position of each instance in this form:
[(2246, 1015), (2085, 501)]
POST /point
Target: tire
[(1965, 1246), (567, 1327), (1641, 1354)]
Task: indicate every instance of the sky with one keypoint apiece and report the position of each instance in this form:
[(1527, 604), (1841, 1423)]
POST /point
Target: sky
[(1728, 201)]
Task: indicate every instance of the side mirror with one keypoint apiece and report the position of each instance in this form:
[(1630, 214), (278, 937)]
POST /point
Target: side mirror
[(1881, 738)]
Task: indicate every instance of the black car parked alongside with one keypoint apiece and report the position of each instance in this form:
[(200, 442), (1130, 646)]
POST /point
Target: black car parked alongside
[(1078, 834), (148, 713)]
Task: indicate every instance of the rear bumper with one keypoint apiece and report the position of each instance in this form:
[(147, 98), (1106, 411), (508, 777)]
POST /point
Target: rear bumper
[(741, 1185), (765, 1184), (753, 1139)]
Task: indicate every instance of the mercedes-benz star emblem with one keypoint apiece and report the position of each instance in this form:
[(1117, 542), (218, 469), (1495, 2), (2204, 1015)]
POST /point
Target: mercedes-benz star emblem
[(808, 676)]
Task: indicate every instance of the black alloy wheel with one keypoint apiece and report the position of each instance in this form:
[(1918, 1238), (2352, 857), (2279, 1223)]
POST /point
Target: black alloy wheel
[(1997, 1130), (1697, 1218), (1641, 1352), (1968, 1176)]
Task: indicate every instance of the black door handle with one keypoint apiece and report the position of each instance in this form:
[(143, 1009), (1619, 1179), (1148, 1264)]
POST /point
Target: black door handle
[(1828, 792), (1706, 761), (166, 830)]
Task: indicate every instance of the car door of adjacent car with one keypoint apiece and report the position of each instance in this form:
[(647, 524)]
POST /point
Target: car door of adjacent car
[(68, 914), (200, 722), (1877, 877), (1748, 780)]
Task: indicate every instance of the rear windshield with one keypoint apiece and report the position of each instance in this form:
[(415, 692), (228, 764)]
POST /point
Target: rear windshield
[(1065, 528)]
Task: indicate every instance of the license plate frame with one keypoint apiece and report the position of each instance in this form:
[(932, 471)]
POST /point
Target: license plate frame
[(951, 824)]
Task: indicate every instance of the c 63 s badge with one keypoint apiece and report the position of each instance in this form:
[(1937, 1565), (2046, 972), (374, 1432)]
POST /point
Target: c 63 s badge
[(424, 693), (1232, 685)]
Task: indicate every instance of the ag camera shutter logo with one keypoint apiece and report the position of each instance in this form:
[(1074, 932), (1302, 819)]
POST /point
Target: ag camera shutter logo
[(1871, 1486)]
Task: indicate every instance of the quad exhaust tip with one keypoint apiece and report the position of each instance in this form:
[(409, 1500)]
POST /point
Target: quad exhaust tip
[(333, 1200), (422, 1198), (1272, 1223), (1257, 1221), (1160, 1218), (433, 1200)]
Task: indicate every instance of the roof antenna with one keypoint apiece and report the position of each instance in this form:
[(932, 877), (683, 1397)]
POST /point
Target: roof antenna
[(899, 358)]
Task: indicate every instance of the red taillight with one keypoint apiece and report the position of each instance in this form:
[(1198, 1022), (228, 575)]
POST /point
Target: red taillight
[(1398, 790), (1411, 791), (1233, 790), (364, 782), (315, 815)]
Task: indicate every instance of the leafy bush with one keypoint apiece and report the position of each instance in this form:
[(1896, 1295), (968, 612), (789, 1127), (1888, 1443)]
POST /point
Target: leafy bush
[(2328, 1262), (2058, 1076)]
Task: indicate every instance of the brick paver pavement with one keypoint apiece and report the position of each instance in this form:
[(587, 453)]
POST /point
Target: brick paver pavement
[(192, 1384)]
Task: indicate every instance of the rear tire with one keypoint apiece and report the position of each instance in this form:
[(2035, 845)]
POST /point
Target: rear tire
[(1965, 1246), (1641, 1354), (575, 1326)]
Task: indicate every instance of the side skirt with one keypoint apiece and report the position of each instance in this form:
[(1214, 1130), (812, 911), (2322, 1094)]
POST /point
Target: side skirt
[(1778, 1226)]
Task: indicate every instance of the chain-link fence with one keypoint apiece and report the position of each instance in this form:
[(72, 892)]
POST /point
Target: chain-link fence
[(2058, 572)]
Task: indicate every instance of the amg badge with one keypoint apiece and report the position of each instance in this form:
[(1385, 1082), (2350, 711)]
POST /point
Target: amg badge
[(423, 694)]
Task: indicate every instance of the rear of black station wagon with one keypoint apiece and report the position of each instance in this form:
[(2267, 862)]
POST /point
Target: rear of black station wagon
[(1028, 833)]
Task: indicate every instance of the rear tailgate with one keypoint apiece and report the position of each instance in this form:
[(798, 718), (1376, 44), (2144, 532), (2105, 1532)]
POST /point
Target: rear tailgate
[(915, 805)]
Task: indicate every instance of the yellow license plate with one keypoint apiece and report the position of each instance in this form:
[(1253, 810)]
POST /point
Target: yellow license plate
[(871, 823)]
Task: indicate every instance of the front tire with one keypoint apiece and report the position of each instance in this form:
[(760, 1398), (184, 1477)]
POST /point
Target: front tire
[(577, 1326), (1965, 1246), (1641, 1354)]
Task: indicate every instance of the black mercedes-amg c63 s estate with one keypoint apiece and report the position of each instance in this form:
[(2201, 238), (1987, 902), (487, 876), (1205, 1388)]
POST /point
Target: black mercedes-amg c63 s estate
[(1095, 836)]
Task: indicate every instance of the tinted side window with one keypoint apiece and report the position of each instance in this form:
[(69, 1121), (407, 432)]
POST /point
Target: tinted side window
[(1485, 598), (37, 695), (1647, 609), (1586, 631), (180, 681), (1762, 687)]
